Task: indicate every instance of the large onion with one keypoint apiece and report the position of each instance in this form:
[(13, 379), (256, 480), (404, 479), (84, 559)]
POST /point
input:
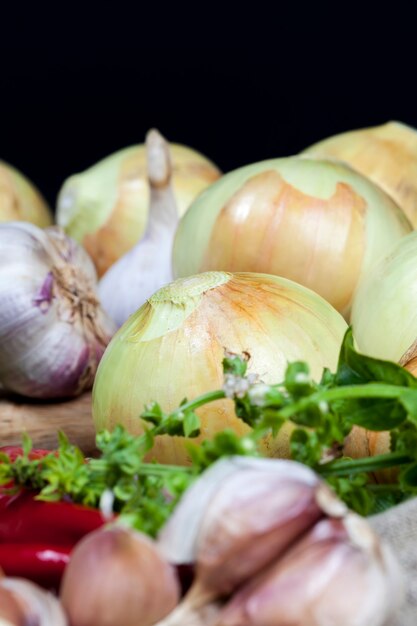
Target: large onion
[(384, 312), (386, 154), (315, 222), (173, 347), (20, 200), (105, 207)]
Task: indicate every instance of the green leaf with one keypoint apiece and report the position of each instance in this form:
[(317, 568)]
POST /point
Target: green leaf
[(191, 424), (356, 368), (26, 444)]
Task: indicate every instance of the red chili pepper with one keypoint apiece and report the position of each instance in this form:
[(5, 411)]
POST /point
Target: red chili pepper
[(44, 564), (36, 537), (23, 519)]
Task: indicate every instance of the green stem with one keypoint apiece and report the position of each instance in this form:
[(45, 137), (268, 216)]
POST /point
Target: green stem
[(150, 469), (205, 398), (349, 392), (368, 464)]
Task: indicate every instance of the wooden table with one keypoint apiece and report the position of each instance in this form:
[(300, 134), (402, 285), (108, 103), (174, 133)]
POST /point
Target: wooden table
[(43, 420)]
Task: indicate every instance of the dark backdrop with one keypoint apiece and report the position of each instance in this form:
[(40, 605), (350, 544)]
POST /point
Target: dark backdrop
[(78, 82)]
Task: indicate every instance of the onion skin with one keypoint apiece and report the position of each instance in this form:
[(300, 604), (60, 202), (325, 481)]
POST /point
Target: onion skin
[(20, 200), (386, 154), (384, 311), (173, 347), (105, 207), (315, 222)]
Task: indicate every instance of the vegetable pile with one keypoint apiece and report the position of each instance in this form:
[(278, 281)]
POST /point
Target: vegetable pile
[(179, 518)]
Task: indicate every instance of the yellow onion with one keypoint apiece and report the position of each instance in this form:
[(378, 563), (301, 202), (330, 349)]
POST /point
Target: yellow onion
[(384, 312), (105, 207), (20, 200), (173, 347), (315, 222), (386, 154)]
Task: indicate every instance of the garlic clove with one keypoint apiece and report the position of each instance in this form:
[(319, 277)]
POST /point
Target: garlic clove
[(22, 603), (242, 514), (117, 576), (339, 573), (147, 267), (10, 610)]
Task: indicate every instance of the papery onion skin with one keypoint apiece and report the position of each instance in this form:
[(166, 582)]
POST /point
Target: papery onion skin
[(315, 222), (384, 311), (20, 200), (105, 207), (173, 347), (53, 331), (386, 154)]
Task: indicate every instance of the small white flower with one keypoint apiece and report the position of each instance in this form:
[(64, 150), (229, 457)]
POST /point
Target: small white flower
[(302, 377), (257, 394)]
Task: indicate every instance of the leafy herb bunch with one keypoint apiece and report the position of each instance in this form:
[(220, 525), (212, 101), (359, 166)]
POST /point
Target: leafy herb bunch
[(371, 393)]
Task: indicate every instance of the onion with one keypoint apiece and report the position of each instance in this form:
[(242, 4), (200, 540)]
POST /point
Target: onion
[(315, 222), (173, 347), (20, 200), (384, 312), (105, 207), (386, 154)]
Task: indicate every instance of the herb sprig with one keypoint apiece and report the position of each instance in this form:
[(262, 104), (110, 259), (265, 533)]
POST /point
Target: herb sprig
[(375, 394)]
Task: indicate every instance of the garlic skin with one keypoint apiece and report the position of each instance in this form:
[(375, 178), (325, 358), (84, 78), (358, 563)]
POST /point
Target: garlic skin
[(53, 331), (386, 154), (117, 576), (147, 267), (241, 515), (22, 603), (105, 207), (20, 200), (316, 222), (339, 573)]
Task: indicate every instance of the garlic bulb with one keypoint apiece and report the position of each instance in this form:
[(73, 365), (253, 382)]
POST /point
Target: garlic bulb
[(52, 329), (243, 507), (386, 154), (339, 573), (173, 348), (20, 200), (105, 208), (22, 603), (315, 222), (147, 267), (116, 576)]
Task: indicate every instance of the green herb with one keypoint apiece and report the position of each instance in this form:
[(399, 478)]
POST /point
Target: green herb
[(374, 394)]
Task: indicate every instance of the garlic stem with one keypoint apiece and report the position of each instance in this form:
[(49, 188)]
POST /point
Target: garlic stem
[(147, 267), (198, 608), (163, 210)]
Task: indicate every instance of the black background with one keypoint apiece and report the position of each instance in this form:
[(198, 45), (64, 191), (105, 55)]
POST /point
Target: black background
[(79, 82)]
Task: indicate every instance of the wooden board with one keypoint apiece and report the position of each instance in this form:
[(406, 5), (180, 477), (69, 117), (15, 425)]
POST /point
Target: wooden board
[(42, 421)]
